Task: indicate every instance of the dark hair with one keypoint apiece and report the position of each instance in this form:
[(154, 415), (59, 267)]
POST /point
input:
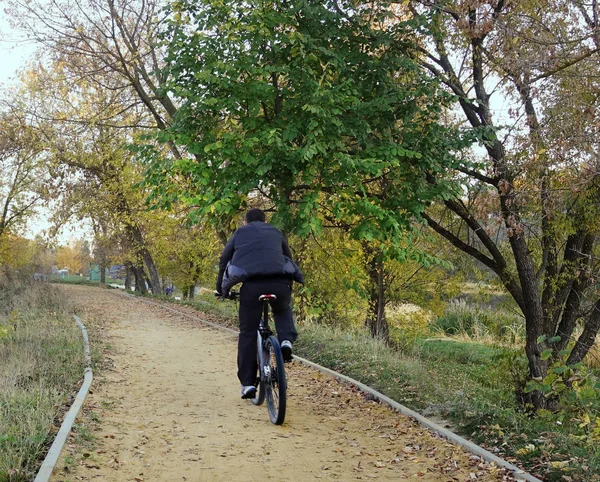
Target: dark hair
[(255, 214)]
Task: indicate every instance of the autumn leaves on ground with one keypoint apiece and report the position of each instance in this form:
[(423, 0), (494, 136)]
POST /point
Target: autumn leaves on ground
[(165, 406)]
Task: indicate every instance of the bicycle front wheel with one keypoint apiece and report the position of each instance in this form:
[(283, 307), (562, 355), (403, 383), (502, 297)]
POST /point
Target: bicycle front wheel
[(276, 384)]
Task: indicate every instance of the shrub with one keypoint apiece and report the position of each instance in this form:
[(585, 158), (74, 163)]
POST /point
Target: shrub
[(408, 323), (474, 321)]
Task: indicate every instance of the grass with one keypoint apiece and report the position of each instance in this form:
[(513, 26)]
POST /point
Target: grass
[(41, 364)]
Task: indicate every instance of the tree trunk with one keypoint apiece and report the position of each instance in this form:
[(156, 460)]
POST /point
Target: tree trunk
[(103, 274), (137, 239), (376, 321), (587, 338), (127, 277), (140, 282), (192, 291), (153, 271)]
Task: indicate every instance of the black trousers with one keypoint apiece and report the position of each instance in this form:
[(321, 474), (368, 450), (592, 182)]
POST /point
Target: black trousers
[(250, 314)]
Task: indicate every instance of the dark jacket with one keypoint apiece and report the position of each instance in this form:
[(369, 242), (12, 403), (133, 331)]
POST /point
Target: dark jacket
[(256, 251)]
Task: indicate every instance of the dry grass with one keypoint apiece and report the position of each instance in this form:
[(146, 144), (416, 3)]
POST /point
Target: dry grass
[(41, 363)]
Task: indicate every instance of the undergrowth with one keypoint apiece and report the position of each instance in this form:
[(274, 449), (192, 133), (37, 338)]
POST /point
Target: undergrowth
[(41, 364)]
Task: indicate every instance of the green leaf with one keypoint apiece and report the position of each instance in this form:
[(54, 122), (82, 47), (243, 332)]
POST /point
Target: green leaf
[(531, 386)]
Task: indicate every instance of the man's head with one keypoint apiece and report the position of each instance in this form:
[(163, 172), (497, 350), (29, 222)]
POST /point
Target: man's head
[(254, 214)]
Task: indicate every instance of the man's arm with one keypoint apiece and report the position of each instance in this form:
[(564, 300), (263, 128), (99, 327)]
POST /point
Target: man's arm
[(226, 256)]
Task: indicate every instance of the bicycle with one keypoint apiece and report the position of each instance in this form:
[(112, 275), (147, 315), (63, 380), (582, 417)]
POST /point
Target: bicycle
[(270, 377)]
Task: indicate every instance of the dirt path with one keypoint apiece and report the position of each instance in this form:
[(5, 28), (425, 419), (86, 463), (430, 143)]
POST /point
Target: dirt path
[(168, 409)]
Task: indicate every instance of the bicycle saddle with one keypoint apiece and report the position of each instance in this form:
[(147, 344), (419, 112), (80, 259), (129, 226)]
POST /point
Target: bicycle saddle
[(267, 298)]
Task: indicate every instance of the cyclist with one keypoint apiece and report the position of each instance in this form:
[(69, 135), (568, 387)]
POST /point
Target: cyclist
[(258, 256)]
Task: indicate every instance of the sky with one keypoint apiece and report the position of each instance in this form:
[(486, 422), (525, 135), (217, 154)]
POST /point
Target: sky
[(14, 50)]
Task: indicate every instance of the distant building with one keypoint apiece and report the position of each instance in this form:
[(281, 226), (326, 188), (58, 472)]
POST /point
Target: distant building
[(94, 272)]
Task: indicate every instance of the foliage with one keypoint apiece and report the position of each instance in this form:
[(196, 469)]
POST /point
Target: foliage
[(72, 256), (334, 293), (576, 391), (16, 252), (22, 171), (337, 282), (300, 101), (187, 254)]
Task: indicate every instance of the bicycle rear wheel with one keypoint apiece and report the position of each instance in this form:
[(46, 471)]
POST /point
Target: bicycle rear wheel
[(276, 384), (261, 361)]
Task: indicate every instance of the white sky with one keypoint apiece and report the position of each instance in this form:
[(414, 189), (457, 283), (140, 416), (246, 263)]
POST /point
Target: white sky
[(14, 50)]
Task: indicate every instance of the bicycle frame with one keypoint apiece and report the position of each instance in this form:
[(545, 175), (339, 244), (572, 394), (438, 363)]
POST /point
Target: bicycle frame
[(264, 332)]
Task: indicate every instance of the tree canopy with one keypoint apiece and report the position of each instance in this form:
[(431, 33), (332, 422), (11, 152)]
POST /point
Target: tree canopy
[(318, 107)]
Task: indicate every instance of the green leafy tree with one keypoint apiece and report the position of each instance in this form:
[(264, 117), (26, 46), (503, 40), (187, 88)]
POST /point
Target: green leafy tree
[(320, 108)]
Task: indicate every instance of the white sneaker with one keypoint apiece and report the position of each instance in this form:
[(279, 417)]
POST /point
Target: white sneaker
[(248, 391), (286, 350)]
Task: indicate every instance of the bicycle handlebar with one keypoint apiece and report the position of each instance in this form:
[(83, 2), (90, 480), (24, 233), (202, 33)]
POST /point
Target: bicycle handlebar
[(232, 295)]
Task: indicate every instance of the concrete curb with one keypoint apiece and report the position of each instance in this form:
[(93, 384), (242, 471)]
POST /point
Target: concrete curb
[(475, 449), (444, 432), (51, 459)]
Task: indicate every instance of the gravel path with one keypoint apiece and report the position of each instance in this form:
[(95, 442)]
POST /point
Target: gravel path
[(167, 408)]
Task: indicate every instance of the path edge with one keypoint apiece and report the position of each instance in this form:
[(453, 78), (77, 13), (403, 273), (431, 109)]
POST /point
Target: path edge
[(47, 467), (444, 432)]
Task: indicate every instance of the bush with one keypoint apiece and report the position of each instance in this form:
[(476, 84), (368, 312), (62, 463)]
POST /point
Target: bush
[(408, 324), (476, 322)]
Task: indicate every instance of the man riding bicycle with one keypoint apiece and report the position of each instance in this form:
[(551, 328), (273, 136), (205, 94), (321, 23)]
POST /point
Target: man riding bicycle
[(258, 256)]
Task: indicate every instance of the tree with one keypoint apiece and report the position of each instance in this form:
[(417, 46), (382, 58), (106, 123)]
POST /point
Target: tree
[(16, 253), (67, 257), (310, 107), (22, 172), (97, 170), (188, 254), (535, 191), (111, 44), (85, 254)]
